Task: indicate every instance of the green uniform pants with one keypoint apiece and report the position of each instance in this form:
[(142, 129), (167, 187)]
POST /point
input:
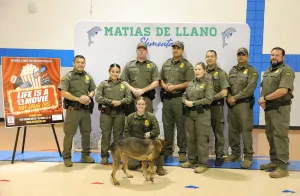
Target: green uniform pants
[(240, 121), (198, 127), (108, 123), (277, 128), (75, 118), (217, 123), (171, 115)]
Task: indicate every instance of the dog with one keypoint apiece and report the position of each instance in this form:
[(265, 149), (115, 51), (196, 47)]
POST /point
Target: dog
[(140, 149)]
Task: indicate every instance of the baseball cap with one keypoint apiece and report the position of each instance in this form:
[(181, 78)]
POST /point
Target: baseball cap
[(179, 44), (141, 44), (243, 50)]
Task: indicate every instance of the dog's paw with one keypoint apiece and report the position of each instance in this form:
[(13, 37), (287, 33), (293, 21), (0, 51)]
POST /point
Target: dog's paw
[(152, 179), (117, 183), (130, 176)]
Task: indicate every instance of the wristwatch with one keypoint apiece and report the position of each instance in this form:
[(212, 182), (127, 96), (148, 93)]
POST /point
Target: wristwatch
[(194, 104)]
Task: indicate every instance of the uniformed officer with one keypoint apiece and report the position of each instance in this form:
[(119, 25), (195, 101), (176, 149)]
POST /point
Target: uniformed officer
[(175, 73), (142, 77), (143, 124), (77, 87), (221, 86), (112, 95), (196, 99), (276, 94), (243, 80)]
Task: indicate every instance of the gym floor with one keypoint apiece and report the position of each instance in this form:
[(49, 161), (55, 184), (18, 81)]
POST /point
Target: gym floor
[(39, 171)]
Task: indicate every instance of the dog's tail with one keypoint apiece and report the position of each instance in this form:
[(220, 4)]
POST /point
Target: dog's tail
[(113, 146)]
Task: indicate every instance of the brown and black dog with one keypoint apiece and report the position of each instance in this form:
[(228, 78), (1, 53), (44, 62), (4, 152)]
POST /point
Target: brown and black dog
[(140, 149)]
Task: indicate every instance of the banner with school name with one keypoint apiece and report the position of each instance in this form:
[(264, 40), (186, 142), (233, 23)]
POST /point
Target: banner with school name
[(30, 94), (104, 43)]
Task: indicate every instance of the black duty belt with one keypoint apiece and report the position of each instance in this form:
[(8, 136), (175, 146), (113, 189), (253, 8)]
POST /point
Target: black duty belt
[(274, 105), (172, 95), (219, 102), (245, 100)]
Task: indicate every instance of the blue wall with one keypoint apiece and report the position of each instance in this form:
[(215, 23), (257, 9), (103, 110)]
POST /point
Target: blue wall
[(255, 19)]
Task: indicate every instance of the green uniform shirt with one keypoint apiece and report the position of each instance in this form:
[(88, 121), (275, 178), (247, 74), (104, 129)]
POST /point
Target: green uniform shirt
[(77, 84), (108, 91), (140, 74), (201, 91), (137, 126), (243, 81), (220, 79), (177, 72), (280, 77)]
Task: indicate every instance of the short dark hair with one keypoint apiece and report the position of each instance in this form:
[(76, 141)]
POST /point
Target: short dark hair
[(212, 51), (202, 65), (114, 65), (78, 56), (278, 48)]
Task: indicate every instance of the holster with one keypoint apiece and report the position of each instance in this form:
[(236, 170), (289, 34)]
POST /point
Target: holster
[(150, 94), (73, 104), (199, 108), (91, 106), (161, 95), (65, 103), (107, 108)]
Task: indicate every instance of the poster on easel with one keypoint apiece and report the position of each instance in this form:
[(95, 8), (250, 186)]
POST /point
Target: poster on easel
[(30, 93)]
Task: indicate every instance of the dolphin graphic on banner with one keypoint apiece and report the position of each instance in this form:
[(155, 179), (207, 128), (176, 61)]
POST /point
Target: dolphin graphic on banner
[(93, 32), (227, 34)]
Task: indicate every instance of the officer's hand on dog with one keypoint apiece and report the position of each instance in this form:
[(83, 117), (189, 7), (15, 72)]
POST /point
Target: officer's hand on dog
[(147, 135), (188, 103)]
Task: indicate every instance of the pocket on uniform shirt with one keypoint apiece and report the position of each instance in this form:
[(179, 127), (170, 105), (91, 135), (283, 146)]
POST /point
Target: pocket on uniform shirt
[(243, 79), (167, 72), (133, 73), (201, 92), (147, 74), (232, 78)]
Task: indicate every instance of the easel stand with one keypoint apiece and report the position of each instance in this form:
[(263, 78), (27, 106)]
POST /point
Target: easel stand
[(24, 138)]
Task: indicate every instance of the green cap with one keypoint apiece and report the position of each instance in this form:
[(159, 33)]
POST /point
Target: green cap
[(142, 44), (243, 50), (179, 44)]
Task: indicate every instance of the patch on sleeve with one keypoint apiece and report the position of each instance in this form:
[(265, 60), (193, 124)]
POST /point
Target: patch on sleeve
[(255, 74), (288, 73), (65, 78)]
